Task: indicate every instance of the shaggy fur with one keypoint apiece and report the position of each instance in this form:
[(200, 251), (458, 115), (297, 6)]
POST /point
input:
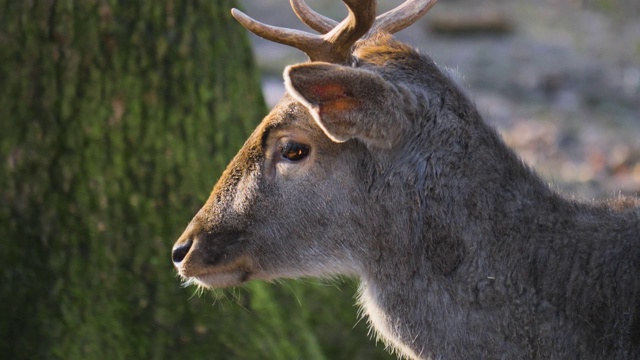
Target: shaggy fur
[(463, 252)]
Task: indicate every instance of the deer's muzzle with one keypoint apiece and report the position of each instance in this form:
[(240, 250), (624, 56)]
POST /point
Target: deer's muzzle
[(212, 259)]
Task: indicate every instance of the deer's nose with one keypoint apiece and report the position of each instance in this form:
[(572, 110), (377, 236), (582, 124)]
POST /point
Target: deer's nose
[(180, 252)]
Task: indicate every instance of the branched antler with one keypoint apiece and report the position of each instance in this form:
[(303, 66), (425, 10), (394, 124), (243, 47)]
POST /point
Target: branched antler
[(338, 38)]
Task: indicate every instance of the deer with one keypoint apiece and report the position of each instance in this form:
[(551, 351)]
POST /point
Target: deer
[(376, 165)]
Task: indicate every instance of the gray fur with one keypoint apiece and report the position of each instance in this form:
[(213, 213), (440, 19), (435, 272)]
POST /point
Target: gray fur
[(463, 252)]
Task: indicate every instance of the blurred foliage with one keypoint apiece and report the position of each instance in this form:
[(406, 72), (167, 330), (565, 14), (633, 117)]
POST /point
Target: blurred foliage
[(116, 119)]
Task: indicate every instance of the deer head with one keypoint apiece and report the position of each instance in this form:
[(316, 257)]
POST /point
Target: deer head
[(298, 199), (375, 164)]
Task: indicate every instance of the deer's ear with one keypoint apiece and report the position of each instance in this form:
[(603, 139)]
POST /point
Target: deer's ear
[(347, 102)]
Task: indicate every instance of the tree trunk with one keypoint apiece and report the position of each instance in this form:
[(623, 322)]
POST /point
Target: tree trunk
[(116, 117)]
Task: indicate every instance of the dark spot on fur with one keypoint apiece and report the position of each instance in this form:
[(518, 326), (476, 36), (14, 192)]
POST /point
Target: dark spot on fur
[(446, 251)]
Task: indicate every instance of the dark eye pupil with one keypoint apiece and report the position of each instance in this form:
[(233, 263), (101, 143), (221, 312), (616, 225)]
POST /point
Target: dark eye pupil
[(294, 151)]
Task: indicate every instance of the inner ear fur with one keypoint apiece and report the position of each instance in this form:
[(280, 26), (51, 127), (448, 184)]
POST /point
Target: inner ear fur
[(348, 102)]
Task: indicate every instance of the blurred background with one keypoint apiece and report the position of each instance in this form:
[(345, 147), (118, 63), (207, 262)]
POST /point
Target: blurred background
[(116, 119)]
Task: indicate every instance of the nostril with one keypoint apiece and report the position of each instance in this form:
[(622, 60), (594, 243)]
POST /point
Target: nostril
[(180, 252)]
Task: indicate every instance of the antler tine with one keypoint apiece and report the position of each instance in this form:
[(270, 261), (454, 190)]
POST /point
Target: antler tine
[(312, 19), (312, 45), (402, 16)]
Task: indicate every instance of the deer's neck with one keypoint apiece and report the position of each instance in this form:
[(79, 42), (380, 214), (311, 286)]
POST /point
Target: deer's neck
[(497, 252)]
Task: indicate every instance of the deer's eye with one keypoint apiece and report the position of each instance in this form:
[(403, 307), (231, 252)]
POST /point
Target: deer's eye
[(293, 151)]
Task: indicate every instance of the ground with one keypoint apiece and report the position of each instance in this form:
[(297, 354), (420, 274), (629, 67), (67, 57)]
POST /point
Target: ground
[(560, 79)]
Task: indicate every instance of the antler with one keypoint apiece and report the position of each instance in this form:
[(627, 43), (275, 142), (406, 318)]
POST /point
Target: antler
[(335, 45)]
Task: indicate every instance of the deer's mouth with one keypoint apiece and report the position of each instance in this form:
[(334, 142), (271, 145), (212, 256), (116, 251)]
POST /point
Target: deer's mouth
[(231, 273)]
